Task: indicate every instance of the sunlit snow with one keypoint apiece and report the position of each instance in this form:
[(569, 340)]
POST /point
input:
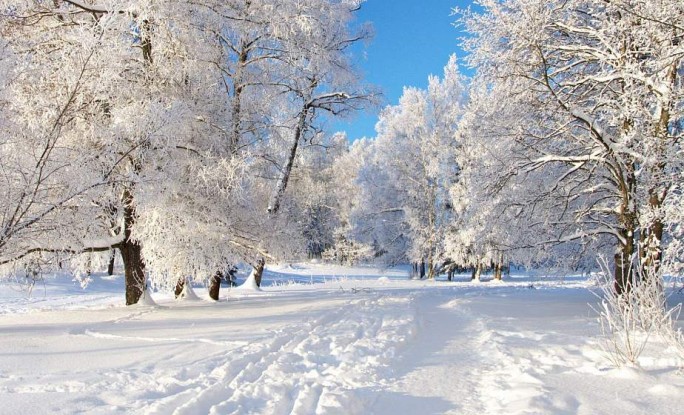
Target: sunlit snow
[(319, 339)]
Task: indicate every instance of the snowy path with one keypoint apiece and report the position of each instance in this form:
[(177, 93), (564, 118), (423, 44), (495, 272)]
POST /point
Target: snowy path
[(299, 355), (333, 346), (520, 351), (310, 367), (438, 372)]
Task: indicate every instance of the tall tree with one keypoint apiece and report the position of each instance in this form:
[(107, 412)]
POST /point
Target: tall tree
[(318, 74), (599, 82)]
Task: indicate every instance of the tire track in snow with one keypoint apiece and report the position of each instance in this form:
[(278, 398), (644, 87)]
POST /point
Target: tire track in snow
[(101, 335), (308, 368)]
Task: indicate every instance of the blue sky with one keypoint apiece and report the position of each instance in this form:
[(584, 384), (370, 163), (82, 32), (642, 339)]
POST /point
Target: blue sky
[(413, 39)]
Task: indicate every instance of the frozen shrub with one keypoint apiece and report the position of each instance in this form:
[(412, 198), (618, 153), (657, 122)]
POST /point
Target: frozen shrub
[(630, 320)]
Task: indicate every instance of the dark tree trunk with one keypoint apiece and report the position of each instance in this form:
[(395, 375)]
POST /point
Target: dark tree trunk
[(284, 178), (146, 41), (180, 285), (624, 255), (450, 274), (131, 253), (215, 285), (259, 271), (498, 268), (422, 269), (134, 271), (430, 269), (110, 266), (477, 270)]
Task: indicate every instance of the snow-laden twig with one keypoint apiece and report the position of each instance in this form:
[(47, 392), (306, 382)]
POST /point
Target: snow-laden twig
[(630, 320)]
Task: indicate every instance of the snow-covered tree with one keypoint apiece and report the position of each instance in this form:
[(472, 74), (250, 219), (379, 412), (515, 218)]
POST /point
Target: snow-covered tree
[(599, 91), (407, 208), (58, 153), (159, 128), (318, 75), (264, 50), (507, 213)]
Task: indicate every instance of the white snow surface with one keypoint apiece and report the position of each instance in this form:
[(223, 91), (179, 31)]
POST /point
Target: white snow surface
[(321, 339)]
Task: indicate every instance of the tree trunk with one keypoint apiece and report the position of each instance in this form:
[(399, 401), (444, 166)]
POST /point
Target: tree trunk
[(652, 254), (215, 285), (259, 271), (422, 269), (450, 274), (274, 205), (653, 249), (146, 41), (498, 268), (179, 287), (476, 272), (131, 253), (110, 266), (238, 88), (134, 271)]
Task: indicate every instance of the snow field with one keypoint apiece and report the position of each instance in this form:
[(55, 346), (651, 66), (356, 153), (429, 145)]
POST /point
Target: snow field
[(319, 339)]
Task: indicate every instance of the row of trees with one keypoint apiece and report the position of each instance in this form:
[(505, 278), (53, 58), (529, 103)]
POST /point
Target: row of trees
[(171, 131), (584, 100), (167, 130), (568, 145)]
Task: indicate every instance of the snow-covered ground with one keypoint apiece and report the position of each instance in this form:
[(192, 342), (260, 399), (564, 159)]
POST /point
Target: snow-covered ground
[(322, 339)]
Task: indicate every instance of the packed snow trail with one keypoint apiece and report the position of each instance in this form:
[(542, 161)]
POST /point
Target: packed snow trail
[(439, 368), (520, 351)]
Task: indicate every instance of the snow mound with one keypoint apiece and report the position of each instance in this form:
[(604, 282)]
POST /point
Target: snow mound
[(384, 280), (188, 293), (146, 299), (452, 304), (665, 390), (628, 372), (249, 284)]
